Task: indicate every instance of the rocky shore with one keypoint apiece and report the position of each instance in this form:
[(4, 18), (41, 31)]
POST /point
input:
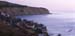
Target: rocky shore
[(11, 26)]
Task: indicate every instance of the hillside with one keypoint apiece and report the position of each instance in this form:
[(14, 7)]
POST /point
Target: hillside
[(16, 9)]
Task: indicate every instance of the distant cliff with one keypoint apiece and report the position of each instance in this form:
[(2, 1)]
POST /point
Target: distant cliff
[(16, 9)]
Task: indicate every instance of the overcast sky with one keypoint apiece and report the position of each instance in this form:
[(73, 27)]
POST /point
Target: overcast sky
[(53, 5)]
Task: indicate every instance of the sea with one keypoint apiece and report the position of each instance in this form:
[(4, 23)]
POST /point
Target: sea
[(57, 23)]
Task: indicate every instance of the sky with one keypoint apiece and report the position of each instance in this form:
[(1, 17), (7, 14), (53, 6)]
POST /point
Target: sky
[(52, 5)]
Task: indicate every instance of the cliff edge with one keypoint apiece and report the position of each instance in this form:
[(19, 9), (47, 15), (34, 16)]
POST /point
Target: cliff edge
[(16, 9)]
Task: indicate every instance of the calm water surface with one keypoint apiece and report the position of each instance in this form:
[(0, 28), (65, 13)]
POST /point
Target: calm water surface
[(63, 23)]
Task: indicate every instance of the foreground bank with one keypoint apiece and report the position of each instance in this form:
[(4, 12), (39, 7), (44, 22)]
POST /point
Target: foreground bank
[(11, 26)]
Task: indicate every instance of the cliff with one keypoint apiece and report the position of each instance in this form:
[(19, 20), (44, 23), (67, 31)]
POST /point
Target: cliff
[(16, 9)]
